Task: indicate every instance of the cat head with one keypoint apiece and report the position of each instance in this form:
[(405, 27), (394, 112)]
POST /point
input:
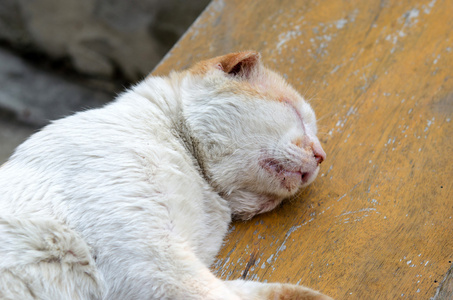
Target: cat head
[(256, 135)]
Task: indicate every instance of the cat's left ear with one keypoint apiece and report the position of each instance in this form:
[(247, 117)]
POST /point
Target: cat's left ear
[(239, 64)]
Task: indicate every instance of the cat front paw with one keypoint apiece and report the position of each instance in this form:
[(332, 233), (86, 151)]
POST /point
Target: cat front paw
[(252, 290), (292, 292)]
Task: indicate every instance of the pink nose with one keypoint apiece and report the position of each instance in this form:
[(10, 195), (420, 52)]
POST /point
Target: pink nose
[(319, 153)]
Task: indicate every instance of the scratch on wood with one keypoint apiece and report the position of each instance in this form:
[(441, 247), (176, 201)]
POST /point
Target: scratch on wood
[(250, 263)]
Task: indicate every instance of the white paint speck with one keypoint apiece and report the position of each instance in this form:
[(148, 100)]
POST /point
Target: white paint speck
[(340, 23), (429, 123), (341, 197), (411, 16), (427, 10), (357, 211), (436, 59), (270, 259), (287, 36), (351, 111), (335, 69)]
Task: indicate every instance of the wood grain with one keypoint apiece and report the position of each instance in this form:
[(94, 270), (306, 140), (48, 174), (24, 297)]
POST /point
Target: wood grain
[(378, 222)]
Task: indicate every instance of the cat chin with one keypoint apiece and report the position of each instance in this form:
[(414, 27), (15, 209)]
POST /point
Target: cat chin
[(310, 177), (272, 202), (289, 179), (246, 204)]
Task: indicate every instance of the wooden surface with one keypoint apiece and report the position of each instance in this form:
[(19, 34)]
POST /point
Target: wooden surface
[(378, 221)]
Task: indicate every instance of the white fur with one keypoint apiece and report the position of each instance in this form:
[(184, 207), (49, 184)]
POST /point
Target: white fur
[(123, 202)]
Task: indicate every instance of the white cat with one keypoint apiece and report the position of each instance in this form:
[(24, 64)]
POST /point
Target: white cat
[(133, 200)]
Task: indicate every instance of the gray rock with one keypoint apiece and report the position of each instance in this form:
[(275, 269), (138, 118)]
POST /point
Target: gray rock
[(12, 26), (11, 135), (100, 37), (36, 96)]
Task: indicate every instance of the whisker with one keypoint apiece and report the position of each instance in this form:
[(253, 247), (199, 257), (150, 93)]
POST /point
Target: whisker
[(314, 97), (325, 116), (323, 133)]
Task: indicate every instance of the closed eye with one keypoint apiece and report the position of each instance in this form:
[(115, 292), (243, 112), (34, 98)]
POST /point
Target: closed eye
[(299, 116)]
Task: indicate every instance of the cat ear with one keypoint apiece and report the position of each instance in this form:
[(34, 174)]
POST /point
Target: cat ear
[(239, 63)]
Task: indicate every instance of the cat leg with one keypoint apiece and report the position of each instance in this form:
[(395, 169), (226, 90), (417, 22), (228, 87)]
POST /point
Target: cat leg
[(171, 272), (169, 269), (251, 290), (43, 259)]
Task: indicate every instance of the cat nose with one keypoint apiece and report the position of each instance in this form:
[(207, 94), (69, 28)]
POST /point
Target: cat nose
[(315, 146), (318, 152)]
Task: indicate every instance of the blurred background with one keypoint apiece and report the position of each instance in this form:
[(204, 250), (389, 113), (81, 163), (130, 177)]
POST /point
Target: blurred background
[(59, 57)]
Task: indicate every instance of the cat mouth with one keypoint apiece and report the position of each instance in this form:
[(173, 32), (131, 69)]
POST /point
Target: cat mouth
[(290, 179)]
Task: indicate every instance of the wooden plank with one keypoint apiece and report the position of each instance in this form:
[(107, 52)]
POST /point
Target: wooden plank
[(378, 222)]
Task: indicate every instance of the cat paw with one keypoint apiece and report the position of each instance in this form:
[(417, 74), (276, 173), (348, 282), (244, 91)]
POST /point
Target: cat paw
[(252, 290), (293, 292)]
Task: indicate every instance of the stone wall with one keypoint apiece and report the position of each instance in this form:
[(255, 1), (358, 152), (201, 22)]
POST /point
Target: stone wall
[(57, 56)]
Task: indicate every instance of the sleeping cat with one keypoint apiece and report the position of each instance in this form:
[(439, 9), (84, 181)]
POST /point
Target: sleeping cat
[(133, 200)]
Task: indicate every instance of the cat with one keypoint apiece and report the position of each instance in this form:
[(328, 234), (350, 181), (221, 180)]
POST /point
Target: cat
[(133, 200)]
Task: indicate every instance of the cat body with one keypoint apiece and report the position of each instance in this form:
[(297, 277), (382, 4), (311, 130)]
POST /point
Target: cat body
[(133, 200)]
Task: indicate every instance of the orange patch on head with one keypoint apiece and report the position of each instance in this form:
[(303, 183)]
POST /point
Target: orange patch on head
[(252, 77), (278, 88), (298, 142)]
